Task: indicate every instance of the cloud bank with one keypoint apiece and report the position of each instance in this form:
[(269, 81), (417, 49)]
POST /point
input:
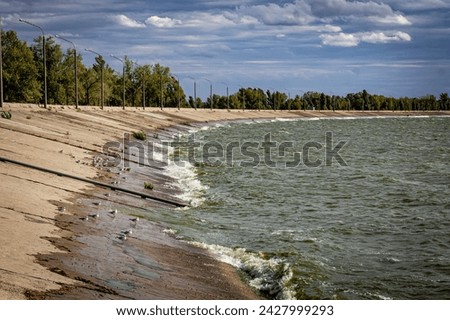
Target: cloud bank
[(124, 21), (330, 18), (352, 40)]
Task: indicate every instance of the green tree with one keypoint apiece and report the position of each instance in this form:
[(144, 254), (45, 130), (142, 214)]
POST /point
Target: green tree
[(444, 101), (55, 68), (20, 73)]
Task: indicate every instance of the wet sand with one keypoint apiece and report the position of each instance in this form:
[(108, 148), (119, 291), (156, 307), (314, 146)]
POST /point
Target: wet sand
[(51, 251)]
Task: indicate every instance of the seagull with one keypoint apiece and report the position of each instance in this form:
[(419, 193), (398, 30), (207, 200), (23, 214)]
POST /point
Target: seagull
[(127, 232), (61, 209), (123, 237), (98, 203), (95, 215), (113, 211), (135, 219), (85, 218)]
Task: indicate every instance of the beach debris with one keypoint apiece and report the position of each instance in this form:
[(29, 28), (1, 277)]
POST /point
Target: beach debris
[(61, 209)]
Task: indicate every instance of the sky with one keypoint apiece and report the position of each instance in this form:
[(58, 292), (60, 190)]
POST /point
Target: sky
[(390, 47)]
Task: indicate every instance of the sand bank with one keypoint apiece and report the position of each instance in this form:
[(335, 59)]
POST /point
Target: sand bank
[(49, 249)]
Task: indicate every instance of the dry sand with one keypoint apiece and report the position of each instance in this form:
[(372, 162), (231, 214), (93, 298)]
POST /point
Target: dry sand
[(49, 252)]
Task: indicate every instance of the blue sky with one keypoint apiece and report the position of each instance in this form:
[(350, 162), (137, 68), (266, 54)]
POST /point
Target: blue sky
[(390, 47)]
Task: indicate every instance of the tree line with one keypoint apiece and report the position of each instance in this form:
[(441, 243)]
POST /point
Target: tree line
[(156, 86)]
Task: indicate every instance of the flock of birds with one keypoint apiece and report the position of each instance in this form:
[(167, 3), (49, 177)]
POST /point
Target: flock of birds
[(123, 235)]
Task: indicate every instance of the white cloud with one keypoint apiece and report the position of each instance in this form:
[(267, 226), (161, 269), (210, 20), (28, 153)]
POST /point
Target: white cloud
[(341, 8), (352, 40), (296, 13), (339, 40), (380, 13), (208, 21), (422, 4), (381, 37), (123, 20), (162, 22), (396, 19)]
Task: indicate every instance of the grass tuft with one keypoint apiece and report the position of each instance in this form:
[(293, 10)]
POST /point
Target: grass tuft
[(149, 185), (6, 115), (139, 135)]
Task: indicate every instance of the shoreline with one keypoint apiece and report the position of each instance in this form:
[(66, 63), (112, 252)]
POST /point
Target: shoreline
[(52, 253)]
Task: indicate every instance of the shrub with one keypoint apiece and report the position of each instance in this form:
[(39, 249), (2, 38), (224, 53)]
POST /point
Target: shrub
[(148, 185), (139, 135), (6, 115)]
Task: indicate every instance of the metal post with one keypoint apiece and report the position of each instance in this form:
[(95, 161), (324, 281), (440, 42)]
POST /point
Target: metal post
[(143, 84), (43, 58), (177, 79), (243, 96), (179, 95), (102, 92), (228, 100), (289, 101), (195, 95), (161, 90), (123, 76), (1, 65), (75, 66), (210, 93)]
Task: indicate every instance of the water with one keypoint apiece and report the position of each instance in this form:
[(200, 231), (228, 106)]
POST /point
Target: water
[(374, 227)]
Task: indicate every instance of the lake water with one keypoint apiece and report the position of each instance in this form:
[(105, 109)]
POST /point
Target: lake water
[(322, 209)]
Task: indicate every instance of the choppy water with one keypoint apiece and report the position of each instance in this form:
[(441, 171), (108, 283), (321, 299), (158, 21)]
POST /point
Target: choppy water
[(377, 228)]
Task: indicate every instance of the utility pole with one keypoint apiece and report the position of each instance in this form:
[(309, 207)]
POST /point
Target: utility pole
[(102, 90), (43, 58), (75, 66), (1, 65), (123, 75)]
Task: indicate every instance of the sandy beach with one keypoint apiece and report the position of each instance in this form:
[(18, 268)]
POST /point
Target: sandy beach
[(61, 237)]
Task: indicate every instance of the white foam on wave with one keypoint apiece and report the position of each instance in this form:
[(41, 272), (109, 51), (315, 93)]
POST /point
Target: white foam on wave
[(187, 182), (260, 269), (183, 173), (285, 119), (159, 152)]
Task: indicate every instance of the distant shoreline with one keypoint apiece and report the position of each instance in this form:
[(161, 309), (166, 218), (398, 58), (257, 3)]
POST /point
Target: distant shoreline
[(50, 251)]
